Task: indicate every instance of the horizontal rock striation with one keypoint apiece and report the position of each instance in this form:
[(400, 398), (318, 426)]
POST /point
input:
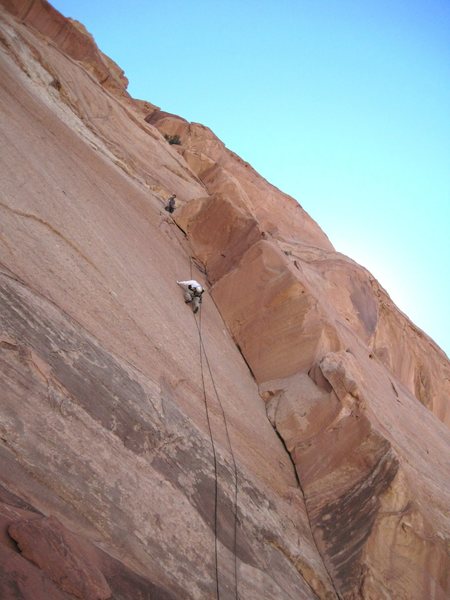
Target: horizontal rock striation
[(88, 437)]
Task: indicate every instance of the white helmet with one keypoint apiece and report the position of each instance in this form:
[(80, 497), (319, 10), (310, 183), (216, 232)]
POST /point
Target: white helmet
[(199, 289)]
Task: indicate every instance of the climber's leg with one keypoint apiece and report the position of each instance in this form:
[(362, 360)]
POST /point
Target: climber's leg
[(196, 303)]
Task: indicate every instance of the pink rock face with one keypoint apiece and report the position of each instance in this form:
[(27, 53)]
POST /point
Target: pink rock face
[(72, 38), (277, 312), (47, 544), (328, 408), (223, 172), (21, 579)]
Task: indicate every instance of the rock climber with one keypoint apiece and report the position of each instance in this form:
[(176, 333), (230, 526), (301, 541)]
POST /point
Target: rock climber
[(170, 206), (192, 293)]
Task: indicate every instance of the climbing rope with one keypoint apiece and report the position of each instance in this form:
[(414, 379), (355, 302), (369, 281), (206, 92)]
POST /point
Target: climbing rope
[(202, 352), (216, 479), (235, 503)]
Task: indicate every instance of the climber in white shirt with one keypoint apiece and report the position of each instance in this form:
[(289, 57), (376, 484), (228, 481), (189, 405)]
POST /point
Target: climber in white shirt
[(192, 293)]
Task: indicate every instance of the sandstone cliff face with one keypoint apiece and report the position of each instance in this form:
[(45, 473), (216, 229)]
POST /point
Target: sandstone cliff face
[(349, 296), (328, 408)]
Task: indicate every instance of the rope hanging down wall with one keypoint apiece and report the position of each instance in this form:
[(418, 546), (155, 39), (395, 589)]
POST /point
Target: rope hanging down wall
[(216, 479), (235, 473), (203, 353)]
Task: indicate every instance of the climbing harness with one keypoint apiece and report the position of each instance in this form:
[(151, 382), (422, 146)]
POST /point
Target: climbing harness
[(202, 353)]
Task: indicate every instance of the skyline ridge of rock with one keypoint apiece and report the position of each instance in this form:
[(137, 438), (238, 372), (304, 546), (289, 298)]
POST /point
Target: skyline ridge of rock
[(336, 406)]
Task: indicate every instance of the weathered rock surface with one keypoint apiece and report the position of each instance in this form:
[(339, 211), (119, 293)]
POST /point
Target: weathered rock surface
[(327, 406), (46, 543)]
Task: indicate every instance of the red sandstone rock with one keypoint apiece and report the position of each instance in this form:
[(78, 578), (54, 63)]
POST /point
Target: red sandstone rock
[(342, 461), (21, 579), (47, 544), (72, 38)]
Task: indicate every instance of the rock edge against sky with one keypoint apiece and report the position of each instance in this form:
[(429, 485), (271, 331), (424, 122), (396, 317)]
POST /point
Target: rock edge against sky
[(336, 405)]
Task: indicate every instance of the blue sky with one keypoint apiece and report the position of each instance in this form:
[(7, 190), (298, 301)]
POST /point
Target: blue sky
[(343, 104)]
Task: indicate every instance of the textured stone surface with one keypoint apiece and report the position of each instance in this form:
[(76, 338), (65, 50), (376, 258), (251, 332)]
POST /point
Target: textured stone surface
[(46, 543), (20, 579), (72, 38), (366, 476), (334, 403)]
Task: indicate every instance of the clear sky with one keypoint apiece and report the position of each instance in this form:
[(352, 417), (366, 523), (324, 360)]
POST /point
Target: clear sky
[(343, 104)]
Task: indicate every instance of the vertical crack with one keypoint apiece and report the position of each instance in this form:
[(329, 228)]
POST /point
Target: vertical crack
[(300, 486)]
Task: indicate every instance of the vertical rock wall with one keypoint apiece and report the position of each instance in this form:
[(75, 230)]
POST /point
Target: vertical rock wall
[(334, 403)]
